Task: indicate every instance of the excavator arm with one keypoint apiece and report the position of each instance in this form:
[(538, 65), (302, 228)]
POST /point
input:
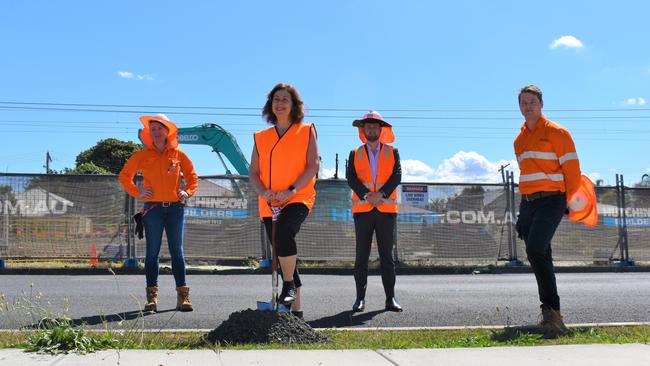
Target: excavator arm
[(221, 141)]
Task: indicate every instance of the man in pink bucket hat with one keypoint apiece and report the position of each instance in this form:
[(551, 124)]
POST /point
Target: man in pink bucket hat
[(373, 173)]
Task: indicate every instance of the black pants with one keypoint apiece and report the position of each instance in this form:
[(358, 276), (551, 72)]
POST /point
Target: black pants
[(536, 225), (286, 228), (383, 225)]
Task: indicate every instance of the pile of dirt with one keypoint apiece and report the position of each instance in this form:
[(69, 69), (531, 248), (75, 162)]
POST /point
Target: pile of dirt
[(255, 326)]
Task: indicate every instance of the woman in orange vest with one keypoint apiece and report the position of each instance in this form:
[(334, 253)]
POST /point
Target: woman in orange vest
[(283, 171), (161, 163)]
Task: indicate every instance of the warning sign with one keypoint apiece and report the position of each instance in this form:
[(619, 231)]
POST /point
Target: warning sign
[(415, 194)]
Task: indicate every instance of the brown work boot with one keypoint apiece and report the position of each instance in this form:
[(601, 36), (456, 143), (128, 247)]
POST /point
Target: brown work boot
[(152, 299), (183, 299), (552, 321)]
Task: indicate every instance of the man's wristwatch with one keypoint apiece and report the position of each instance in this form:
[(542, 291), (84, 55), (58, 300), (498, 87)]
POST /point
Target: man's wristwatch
[(292, 188)]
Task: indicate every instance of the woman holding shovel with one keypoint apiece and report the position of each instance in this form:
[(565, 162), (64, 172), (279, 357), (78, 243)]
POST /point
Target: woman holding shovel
[(283, 171)]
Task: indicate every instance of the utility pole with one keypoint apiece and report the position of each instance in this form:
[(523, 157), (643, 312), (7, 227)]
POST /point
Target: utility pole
[(336, 169), (503, 177), (48, 159), (6, 219)]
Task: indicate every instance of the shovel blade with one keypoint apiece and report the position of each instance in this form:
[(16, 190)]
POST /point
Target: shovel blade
[(267, 306), (264, 306)]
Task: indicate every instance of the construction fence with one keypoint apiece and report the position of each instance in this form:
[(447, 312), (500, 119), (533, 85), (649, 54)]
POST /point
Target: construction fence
[(70, 217)]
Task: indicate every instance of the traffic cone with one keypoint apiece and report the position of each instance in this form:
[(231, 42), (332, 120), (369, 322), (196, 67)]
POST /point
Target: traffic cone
[(93, 254)]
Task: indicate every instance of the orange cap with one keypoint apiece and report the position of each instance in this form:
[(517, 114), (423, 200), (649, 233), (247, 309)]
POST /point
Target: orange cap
[(172, 130), (582, 205)]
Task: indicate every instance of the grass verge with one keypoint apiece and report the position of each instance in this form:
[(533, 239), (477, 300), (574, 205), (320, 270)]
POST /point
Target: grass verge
[(370, 339)]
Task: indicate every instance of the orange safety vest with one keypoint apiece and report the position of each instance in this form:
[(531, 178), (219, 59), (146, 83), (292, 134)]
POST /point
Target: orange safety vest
[(547, 159), (282, 160), (385, 167)]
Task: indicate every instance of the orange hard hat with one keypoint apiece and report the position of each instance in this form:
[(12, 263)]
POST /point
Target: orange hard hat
[(582, 205), (172, 130)]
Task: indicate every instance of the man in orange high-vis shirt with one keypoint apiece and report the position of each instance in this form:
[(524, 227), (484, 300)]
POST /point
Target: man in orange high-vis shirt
[(549, 173), (373, 173)]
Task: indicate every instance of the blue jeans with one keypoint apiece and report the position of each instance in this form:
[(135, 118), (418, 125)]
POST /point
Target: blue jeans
[(171, 220)]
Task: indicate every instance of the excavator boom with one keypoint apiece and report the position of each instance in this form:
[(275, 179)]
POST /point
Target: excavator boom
[(221, 141)]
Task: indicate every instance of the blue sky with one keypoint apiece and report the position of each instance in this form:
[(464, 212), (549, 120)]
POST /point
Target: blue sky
[(446, 74)]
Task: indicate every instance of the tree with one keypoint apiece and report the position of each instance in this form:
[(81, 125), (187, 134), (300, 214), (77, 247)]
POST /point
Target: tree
[(607, 197), (109, 155), (473, 191), (87, 168), (7, 194), (470, 197)]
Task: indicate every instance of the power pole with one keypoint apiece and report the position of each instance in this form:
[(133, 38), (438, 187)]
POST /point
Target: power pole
[(336, 169), (48, 159)]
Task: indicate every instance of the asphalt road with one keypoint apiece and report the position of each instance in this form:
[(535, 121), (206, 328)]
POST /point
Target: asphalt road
[(428, 300)]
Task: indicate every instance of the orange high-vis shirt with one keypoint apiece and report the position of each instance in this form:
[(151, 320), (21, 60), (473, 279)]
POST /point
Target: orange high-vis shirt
[(547, 159), (161, 173)]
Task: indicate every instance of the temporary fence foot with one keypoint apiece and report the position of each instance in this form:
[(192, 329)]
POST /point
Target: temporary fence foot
[(514, 263), (131, 263), (265, 263), (627, 263)]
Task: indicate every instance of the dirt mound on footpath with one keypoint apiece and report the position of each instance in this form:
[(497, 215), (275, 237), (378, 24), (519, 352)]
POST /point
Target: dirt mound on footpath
[(255, 326)]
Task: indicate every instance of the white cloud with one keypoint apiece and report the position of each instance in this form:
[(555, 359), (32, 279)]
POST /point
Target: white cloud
[(463, 167), (326, 173), (566, 42), (416, 171), (635, 101), (472, 167), (130, 75), (125, 74)]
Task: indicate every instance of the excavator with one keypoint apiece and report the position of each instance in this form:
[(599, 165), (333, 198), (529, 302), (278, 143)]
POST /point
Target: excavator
[(221, 141)]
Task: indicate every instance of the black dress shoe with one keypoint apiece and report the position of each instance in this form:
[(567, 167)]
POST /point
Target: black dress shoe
[(288, 294), (392, 305), (359, 306)]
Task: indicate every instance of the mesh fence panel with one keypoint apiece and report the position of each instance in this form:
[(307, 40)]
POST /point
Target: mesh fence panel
[(221, 221), (62, 216), (637, 212), (577, 242), (456, 223)]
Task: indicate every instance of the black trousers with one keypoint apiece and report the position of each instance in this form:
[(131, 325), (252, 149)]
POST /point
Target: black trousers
[(286, 228), (536, 225), (383, 225)]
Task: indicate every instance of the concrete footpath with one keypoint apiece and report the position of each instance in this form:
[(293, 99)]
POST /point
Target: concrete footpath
[(573, 355)]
